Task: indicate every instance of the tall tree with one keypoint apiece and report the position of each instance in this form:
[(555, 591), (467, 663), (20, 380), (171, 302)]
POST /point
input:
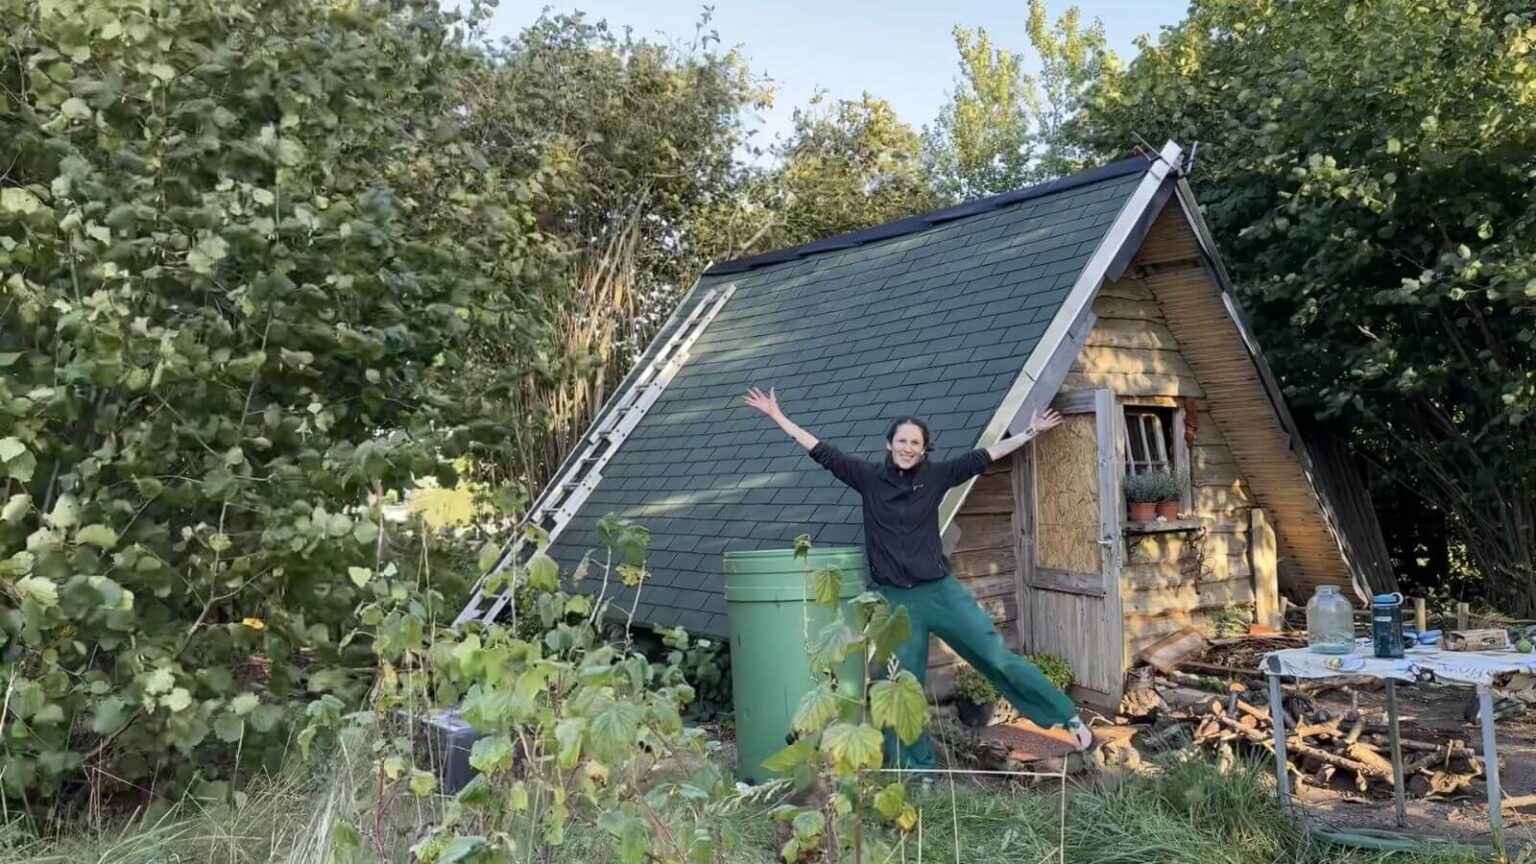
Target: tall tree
[(1001, 128), (848, 164), (983, 141), (1367, 167)]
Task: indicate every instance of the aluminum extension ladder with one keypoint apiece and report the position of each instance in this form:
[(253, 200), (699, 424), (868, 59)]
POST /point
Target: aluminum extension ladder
[(557, 505)]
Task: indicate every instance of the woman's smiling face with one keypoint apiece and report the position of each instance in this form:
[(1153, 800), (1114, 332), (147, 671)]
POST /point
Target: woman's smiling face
[(907, 446)]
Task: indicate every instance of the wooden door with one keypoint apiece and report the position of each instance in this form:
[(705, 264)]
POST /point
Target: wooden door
[(1070, 544)]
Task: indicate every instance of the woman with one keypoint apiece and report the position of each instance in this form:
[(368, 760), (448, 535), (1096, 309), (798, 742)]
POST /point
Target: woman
[(908, 566)]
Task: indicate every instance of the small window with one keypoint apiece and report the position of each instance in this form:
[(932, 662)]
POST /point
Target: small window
[(1149, 440)]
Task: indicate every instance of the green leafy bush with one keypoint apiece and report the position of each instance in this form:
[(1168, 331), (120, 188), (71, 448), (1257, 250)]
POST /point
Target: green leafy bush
[(974, 687), (577, 732), (241, 245), (1057, 670)]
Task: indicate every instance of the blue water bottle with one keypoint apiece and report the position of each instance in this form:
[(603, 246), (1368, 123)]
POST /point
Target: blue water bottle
[(1387, 625)]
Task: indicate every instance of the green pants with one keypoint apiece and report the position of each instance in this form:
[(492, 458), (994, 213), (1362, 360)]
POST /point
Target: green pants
[(947, 609)]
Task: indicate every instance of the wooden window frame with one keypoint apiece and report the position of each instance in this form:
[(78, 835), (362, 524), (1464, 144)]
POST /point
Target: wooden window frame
[(1179, 450)]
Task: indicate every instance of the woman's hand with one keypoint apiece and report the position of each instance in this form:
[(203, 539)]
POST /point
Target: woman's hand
[(768, 403), (1039, 423)]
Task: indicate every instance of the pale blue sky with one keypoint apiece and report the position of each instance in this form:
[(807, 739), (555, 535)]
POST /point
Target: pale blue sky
[(901, 50)]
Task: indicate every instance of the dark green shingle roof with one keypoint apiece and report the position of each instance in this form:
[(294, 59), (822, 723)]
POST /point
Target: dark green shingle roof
[(934, 320)]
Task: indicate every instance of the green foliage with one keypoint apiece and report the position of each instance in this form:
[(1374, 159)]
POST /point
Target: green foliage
[(839, 725), (1001, 128), (1151, 486), (1366, 168), (242, 246), (848, 164), (578, 734), (1054, 668), (706, 665), (973, 687)]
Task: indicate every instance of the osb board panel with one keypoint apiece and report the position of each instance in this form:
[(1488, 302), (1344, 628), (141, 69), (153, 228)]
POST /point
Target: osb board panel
[(1067, 508), (1071, 625)]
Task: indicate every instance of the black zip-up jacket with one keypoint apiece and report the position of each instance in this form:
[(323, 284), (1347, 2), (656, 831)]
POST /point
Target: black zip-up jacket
[(901, 510)]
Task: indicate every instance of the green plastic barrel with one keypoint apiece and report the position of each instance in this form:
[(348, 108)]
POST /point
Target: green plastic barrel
[(767, 599)]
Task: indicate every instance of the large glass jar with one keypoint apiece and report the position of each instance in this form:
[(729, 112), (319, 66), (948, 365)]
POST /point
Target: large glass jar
[(1330, 622)]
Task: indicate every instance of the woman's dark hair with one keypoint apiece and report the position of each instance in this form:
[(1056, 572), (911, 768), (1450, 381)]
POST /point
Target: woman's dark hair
[(890, 433)]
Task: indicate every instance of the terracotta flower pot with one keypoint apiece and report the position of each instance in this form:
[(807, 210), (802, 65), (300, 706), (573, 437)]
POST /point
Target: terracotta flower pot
[(1167, 509), (1143, 511)]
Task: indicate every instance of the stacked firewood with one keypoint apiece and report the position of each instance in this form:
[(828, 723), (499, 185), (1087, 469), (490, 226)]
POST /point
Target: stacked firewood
[(1327, 748)]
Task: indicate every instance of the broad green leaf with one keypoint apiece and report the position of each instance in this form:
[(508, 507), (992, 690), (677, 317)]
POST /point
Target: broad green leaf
[(490, 553), (890, 800), (360, 576), (809, 826), (463, 849), (244, 704), (423, 783), (393, 767), (229, 728), (17, 200), (491, 755), (569, 734), (266, 717), (10, 448), (613, 729), (178, 700), (39, 590), (98, 535), (159, 681), (75, 108), (543, 573), (787, 760), (817, 708), (888, 628), (111, 714), (16, 508), (852, 746), (65, 513), (898, 704), (833, 646), (828, 583)]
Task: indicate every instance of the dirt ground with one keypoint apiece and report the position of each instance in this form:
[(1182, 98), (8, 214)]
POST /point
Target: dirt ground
[(1435, 712)]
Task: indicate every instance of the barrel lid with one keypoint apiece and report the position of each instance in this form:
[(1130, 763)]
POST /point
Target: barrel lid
[(1387, 599)]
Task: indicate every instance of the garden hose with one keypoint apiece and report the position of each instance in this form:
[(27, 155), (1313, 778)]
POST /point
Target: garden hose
[(1389, 841)]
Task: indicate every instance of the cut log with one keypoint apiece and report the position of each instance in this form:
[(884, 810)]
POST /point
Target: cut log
[(1165, 654)]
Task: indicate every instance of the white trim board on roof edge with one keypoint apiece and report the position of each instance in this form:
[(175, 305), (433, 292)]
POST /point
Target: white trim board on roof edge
[(1043, 372)]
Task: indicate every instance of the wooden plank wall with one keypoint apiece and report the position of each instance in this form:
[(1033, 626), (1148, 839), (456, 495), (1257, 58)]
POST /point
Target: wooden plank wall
[(1171, 267), (986, 560), (1170, 579)]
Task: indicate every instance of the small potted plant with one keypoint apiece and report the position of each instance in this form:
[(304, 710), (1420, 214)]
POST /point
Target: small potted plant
[(1167, 490), (1141, 497), (977, 698)]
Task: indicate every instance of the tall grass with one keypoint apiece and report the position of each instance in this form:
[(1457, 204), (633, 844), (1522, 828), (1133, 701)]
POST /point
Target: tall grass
[(1187, 811)]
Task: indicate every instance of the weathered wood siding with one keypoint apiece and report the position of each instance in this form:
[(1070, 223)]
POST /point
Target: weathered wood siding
[(1170, 266), (1176, 578)]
